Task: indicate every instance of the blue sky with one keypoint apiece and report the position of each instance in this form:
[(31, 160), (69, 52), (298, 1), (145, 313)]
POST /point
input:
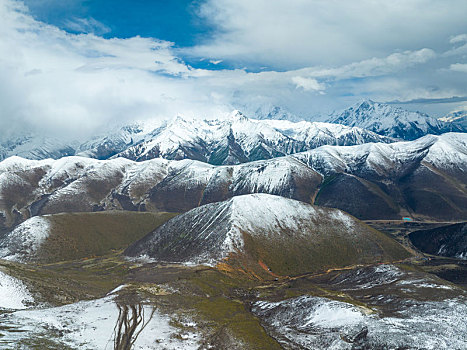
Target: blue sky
[(177, 21), (82, 64), (172, 20)]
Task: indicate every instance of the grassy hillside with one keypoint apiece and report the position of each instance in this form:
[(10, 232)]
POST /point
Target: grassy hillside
[(272, 236), (80, 235), (328, 249)]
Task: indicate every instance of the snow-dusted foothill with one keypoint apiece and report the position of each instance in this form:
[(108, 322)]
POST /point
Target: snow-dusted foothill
[(319, 323), (449, 240), (383, 307), (381, 181), (24, 241), (295, 237), (447, 151)]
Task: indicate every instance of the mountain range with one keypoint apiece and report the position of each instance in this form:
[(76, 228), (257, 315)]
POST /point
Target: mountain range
[(237, 139), (423, 178)]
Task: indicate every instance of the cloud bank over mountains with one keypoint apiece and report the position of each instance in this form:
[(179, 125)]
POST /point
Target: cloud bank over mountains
[(308, 56)]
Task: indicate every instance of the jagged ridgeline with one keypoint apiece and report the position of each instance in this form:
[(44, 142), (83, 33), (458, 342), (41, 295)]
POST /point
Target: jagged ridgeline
[(265, 235), (233, 140)]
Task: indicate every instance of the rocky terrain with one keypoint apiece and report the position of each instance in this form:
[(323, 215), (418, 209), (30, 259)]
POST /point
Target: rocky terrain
[(448, 241), (233, 139), (266, 133)]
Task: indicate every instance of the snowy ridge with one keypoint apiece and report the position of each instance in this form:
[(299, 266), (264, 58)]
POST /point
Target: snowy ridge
[(36, 147), (444, 151), (448, 150), (24, 241), (391, 121), (85, 184), (456, 119), (235, 138), (229, 140), (238, 139)]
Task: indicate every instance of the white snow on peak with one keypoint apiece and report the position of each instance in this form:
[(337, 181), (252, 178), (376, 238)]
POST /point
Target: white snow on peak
[(447, 150), (455, 116), (267, 212), (200, 139), (388, 120), (33, 146), (267, 215)]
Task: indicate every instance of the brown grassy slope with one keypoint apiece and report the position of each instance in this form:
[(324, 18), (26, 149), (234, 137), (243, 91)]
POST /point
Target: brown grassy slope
[(79, 235)]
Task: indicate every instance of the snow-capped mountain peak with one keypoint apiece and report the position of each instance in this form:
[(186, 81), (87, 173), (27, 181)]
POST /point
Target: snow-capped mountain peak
[(238, 139), (388, 120)]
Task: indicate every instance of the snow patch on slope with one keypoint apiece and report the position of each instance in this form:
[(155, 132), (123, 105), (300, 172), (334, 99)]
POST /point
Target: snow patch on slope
[(25, 240), (13, 293), (446, 151), (90, 325), (210, 233), (320, 323)]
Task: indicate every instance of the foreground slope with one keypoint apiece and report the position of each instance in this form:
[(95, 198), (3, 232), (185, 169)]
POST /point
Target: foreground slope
[(259, 231)]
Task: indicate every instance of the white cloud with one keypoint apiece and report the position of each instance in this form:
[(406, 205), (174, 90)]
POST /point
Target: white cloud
[(461, 38), (289, 34), (308, 84), (374, 66), (459, 67), (87, 25), (53, 80)]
